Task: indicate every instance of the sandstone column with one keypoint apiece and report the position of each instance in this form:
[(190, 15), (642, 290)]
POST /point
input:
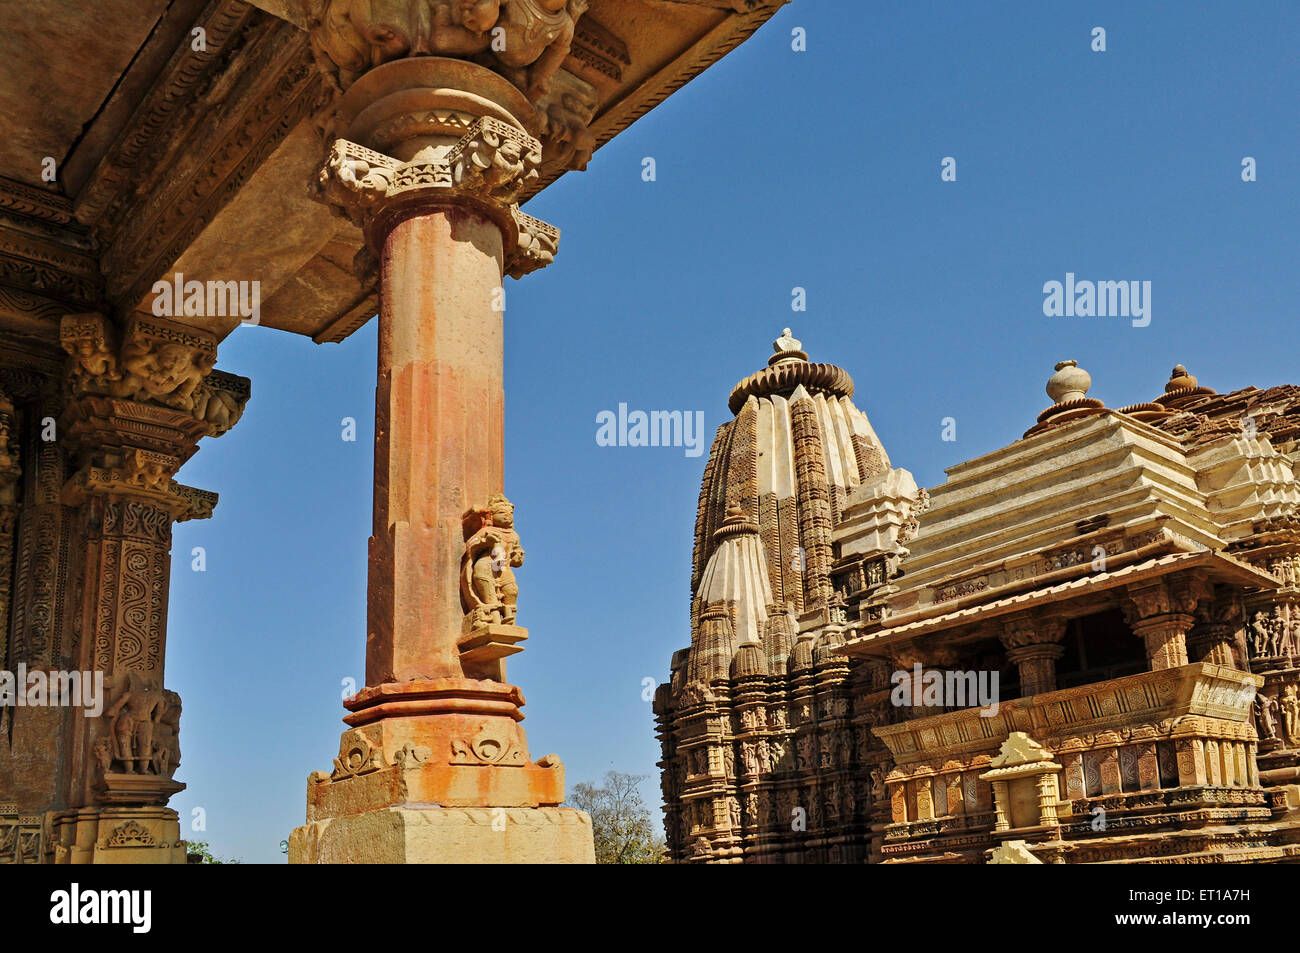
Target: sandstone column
[(430, 159)]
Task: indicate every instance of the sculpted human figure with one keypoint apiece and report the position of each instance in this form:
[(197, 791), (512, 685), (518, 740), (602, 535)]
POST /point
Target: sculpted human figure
[(1290, 705), (350, 37), (488, 589), (132, 716), (1265, 709), (167, 749), (169, 373), (146, 470), (218, 408), (96, 361), (1260, 634), (460, 27), (536, 37)]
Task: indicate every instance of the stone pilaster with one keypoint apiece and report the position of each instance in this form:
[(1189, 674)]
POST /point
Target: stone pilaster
[(136, 412)]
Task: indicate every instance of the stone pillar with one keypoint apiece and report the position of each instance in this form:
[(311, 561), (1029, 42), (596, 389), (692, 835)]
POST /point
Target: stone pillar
[(136, 415), (1160, 613), (1033, 643), (431, 158)]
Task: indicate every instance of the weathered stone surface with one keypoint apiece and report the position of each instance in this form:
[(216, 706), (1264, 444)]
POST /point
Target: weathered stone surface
[(447, 835)]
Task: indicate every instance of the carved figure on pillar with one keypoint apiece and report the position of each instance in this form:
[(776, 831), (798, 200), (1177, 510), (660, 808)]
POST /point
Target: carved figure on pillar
[(132, 718), (488, 589)]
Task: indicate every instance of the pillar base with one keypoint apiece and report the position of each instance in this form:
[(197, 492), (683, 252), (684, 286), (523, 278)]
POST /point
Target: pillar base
[(437, 771), (118, 835), (447, 835)]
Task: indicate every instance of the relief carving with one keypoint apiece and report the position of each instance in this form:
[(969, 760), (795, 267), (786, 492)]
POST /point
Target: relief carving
[(488, 591), (156, 362), (524, 40), (143, 729)]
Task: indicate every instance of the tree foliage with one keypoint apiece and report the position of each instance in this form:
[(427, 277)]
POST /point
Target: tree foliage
[(199, 852), (623, 827)]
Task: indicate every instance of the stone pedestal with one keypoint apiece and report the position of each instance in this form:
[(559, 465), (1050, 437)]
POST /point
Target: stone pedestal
[(410, 835), (118, 835)]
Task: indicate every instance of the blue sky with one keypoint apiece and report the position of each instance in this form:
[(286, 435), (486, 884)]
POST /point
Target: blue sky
[(775, 169)]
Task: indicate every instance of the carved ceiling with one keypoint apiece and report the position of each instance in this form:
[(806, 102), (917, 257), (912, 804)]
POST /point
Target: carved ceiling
[(178, 156)]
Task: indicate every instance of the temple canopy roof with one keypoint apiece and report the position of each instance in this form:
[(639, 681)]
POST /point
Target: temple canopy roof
[(182, 136)]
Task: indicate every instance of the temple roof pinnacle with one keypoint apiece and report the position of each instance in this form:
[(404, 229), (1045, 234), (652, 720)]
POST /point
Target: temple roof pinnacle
[(789, 367), (1068, 388), (788, 349)]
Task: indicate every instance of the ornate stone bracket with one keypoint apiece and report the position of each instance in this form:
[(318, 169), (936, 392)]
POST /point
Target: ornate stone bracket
[(156, 362), (489, 166), (524, 41)]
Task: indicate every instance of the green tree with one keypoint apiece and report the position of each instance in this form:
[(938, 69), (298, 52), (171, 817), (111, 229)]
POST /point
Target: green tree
[(622, 826), (198, 852)]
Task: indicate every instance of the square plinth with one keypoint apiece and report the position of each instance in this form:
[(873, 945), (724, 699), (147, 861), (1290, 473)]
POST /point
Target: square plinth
[(447, 835)]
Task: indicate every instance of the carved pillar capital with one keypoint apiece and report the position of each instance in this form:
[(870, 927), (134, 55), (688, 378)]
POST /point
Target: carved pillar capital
[(1160, 613), (155, 363), (523, 43), (1033, 643), (485, 170)]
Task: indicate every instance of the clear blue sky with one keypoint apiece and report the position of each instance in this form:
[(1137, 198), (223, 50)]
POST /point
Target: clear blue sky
[(775, 169)]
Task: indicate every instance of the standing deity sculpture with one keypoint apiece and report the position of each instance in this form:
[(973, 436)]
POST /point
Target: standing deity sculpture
[(488, 591), (133, 718), (1290, 705), (1265, 717), (878, 782)]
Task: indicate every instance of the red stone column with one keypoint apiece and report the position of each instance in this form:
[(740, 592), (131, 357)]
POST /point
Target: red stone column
[(439, 421), (432, 157)]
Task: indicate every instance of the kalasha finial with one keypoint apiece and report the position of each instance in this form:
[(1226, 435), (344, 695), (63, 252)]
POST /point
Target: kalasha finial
[(788, 348), (1070, 382), (1179, 379)]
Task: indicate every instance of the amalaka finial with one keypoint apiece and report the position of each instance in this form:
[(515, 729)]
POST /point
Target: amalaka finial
[(1179, 379)]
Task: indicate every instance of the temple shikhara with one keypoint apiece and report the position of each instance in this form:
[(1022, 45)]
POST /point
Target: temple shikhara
[(173, 168), (1083, 647)]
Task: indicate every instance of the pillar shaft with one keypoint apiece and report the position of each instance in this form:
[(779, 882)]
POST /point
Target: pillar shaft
[(439, 424)]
